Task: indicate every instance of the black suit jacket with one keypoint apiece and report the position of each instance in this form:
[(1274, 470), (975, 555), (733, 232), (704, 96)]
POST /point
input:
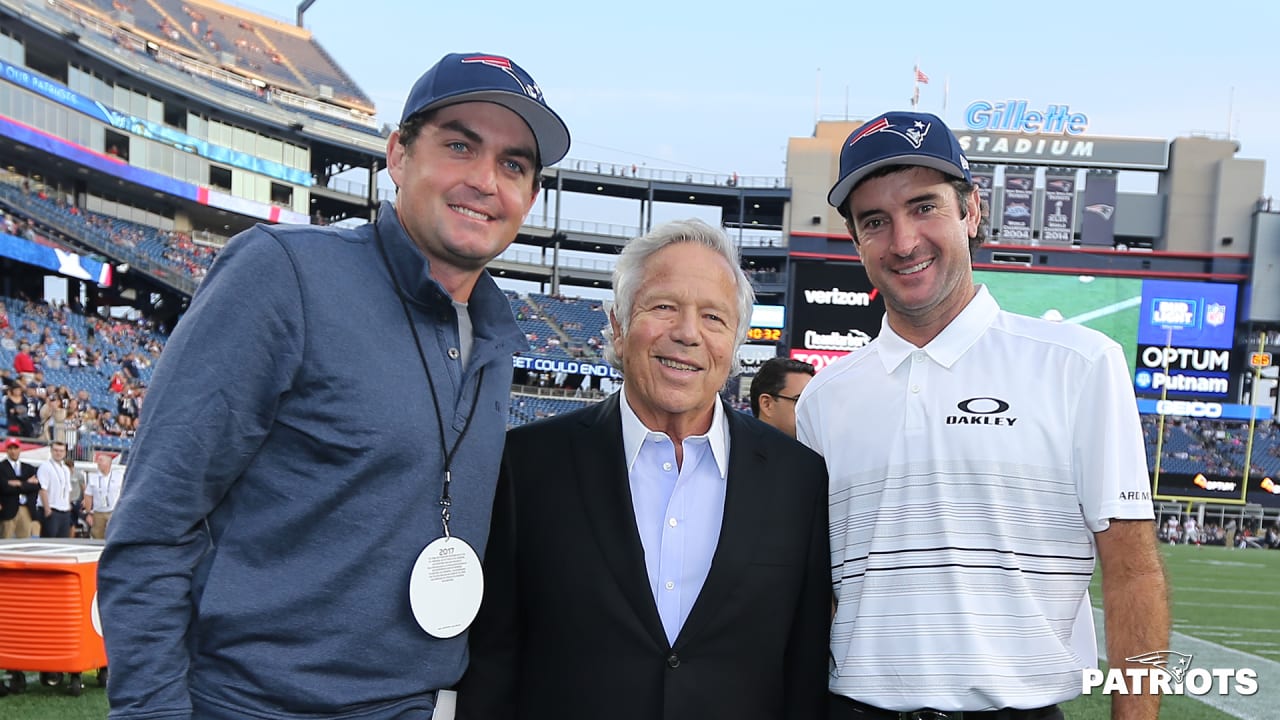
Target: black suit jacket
[(569, 628), (9, 494)]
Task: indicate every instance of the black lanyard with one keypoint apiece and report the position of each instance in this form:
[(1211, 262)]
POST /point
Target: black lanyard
[(445, 450)]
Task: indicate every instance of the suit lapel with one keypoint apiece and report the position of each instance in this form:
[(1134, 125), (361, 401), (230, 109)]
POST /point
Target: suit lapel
[(746, 516), (606, 494)]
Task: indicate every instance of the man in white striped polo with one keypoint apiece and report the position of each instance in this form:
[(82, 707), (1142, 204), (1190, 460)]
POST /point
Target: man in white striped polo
[(979, 463)]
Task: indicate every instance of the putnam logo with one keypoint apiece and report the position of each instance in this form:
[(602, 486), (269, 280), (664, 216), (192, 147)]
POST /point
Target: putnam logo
[(1168, 673)]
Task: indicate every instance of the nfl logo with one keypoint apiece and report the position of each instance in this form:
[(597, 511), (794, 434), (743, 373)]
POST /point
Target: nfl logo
[(1215, 314)]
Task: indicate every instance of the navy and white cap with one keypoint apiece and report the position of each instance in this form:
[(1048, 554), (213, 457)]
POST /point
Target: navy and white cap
[(479, 77), (897, 138)]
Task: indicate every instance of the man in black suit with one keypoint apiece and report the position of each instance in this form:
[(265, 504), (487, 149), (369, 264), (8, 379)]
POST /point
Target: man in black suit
[(658, 555), (19, 490)]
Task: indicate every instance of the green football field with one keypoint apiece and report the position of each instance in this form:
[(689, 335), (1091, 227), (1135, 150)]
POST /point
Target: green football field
[(1223, 601), (1107, 304)]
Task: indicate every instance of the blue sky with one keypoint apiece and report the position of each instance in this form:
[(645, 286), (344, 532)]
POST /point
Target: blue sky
[(719, 87)]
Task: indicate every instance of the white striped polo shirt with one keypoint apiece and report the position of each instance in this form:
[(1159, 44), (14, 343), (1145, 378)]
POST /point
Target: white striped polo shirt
[(966, 481)]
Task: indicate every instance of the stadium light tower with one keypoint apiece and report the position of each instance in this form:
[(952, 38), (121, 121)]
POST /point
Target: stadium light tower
[(302, 9)]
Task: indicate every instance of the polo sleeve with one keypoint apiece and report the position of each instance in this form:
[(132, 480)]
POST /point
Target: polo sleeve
[(211, 403), (1109, 457)]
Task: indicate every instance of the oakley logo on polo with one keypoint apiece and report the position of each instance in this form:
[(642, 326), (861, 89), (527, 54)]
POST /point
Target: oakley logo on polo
[(982, 411)]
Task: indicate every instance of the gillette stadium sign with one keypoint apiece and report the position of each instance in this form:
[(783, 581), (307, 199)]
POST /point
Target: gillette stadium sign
[(1015, 132)]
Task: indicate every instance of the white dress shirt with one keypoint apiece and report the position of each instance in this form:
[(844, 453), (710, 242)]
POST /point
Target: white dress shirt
[(55, 480), (104, 489), (678, 508)]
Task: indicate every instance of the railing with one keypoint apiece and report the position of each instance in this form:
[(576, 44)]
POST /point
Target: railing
[(531, 258), (585, 226), (643, 172)]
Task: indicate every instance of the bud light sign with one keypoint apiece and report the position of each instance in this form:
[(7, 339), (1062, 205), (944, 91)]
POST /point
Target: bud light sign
[(1187, 314)]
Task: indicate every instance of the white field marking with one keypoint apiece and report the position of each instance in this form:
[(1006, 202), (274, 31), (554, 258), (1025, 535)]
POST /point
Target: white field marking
[(1259, 706), (1233, 628), (1105, 310), (1180, 603), (1188, 588), (1229, 563)]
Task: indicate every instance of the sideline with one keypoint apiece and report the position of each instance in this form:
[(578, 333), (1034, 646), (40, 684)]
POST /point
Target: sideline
[(1211, 655)]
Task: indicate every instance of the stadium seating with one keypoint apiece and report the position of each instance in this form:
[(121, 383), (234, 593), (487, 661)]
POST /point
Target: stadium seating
[(582, 321)]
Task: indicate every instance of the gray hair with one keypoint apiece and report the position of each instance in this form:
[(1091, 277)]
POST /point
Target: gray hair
[(629, 271)]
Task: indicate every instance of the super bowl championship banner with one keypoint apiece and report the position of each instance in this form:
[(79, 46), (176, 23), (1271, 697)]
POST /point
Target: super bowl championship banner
[(1019, 190), (1058, 222), (984, 177), (1097, 224)]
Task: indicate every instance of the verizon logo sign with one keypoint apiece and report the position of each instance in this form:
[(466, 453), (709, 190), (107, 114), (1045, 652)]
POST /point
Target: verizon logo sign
[(836, 296)]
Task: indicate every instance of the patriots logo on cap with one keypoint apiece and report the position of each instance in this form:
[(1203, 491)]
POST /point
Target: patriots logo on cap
[(1174, 663), (503, 64), (914, 134)]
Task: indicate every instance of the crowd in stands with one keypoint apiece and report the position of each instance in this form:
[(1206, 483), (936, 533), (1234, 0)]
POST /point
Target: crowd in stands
[(277, 57), (34, 205), (73, 378), (1214, 447)]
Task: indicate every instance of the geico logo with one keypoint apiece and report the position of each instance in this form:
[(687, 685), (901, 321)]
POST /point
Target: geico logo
[(1186, 358), (817, 360), (836, 296), (851, 340), (1189, 383), (1190, 409)]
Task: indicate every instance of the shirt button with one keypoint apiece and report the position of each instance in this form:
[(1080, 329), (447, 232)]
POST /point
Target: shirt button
[(670, 585), (666, 466), (672, 522), (673, 660), (918, 356), (454, 354), (915, 388)]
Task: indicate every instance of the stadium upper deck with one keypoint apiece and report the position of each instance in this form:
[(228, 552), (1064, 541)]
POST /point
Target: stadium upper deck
[(198, 119)]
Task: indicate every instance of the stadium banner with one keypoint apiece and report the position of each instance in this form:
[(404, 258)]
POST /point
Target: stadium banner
[(563, 365), (152, 131), (751, 357), (984, 177), (1019, 191), (1188, 314), (1058, 220), (1189, 373), (1209, 410), (55, 259), (1098, 225), (1093, 152), (834, 309), (113, 166)]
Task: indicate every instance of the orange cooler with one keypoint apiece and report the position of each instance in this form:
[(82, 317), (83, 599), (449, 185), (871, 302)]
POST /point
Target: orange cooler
[(49, 605)]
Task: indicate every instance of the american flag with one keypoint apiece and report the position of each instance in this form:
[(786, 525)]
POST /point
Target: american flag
[(921, 77)]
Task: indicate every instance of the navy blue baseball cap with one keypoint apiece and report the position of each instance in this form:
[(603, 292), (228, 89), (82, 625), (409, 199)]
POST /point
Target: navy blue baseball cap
[(897, 138), (479, 77)]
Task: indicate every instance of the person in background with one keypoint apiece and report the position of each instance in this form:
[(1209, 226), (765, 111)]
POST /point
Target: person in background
[(101, 493), (776, 389)]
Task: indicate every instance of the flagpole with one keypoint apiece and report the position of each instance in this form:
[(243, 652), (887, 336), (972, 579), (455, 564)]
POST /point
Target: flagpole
[(915, 85), (817, 100), (946, 92)]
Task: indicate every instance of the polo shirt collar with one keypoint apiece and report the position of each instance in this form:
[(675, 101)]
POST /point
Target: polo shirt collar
[(634, 433), (950, 344)]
